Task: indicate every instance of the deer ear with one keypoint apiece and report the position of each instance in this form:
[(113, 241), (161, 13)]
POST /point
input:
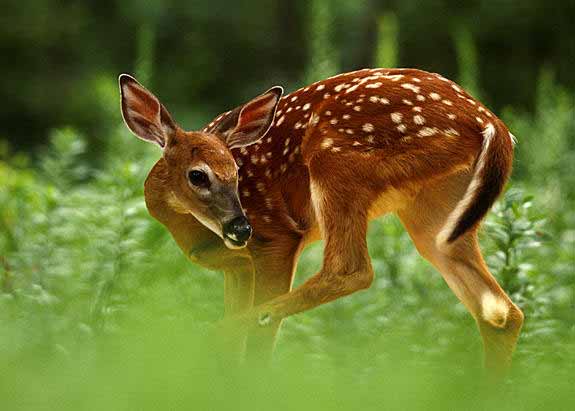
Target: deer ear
[(143, 113), (250, 122)]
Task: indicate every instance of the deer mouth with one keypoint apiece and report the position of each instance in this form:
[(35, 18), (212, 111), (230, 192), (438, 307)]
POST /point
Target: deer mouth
[(233, 243)]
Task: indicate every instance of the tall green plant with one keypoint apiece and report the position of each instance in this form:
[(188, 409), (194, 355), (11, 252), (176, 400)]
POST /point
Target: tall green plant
[(552, 127), (323, 58), (387, 41), (467, 59), (145, 53)]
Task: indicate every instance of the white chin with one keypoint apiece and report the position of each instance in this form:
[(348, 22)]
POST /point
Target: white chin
[(233, 246)]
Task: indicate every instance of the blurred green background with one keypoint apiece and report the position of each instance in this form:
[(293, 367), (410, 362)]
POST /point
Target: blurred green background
[(100, 310)]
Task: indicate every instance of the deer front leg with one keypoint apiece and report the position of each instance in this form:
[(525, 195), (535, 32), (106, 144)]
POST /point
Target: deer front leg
[(238, 291), (274, 271), (346, 266), (238, 298)]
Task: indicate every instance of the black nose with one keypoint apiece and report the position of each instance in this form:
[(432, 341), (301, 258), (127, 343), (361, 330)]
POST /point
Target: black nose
[(238, 229)]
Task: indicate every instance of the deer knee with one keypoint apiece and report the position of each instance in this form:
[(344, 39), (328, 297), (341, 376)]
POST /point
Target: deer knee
[(327, 287), (364, 279), (358, 280), (500, 313)]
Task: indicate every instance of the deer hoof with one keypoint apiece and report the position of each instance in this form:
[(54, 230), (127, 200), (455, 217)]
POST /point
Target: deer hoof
[(265, 319)]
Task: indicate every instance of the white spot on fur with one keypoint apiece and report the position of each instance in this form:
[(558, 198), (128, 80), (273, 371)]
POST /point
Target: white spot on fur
[(280, 121), (427, 132), (451, 116), (327, 143), (409, 86), (320, 87), (352, 89), (374, 85), (346, 116), (402, 128), (419, 120), (451, 132), (396, 117), (306, 106), (368, 127), (314, 119), (393, 77), (435, 96), (380, 100)]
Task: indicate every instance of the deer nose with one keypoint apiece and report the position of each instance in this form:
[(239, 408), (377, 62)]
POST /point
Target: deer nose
[(238, 230)]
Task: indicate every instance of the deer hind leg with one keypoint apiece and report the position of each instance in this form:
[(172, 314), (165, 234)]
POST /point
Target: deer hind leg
[(463, 268)]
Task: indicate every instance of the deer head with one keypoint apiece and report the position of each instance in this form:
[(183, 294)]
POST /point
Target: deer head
[(203, 175)]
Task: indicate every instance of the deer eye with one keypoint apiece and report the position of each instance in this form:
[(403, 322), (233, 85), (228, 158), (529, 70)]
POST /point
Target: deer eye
[(199, 178)]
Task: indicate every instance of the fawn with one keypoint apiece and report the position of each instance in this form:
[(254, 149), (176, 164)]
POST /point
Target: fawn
[(250, 190)]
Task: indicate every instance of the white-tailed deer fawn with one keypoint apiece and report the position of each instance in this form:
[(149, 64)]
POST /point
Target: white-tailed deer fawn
[(319, 164)]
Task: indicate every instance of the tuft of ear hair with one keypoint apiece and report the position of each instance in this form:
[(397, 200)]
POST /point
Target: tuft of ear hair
[(250, 122), (143, 113)]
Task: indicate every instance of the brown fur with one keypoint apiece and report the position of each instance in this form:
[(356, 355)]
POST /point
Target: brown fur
[(409, 146)]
